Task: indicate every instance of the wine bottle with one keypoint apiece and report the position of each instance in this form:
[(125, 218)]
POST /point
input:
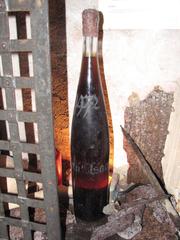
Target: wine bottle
[(89, 133)]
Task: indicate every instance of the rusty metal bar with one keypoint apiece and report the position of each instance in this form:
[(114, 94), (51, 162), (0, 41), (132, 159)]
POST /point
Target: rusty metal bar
[(25, 45), (23, 5), (26, 224), (4, 145), (24, 82), (14, 134), (30, 148), (16, 45), (41, 84), (42, 75), (3, 230), (20, 116), (17, 82), (25, 147), (33, 177), (35, 203)]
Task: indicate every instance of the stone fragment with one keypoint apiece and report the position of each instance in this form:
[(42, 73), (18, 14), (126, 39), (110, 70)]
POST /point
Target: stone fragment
[(40, 236), (161, 215), (111, 208), (140, 192), (70, 218), (113, 186), (112, 227), (132, 230), (147, 123), (16, 233)]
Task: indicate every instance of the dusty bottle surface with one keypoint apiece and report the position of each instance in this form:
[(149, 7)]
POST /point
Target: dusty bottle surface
[(90, 138)]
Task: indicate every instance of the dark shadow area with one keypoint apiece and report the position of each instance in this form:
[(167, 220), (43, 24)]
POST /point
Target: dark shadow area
[(57, 21), (105, 91)]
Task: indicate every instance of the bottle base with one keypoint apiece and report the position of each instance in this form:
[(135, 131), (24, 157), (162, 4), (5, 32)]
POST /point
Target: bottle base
[(92, 223), (90, 219), (89, 203)]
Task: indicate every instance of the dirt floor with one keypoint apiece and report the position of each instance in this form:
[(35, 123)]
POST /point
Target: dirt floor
[(138, 215)]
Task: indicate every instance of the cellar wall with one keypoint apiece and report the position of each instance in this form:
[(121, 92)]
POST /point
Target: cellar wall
[(141, 73), (141, 78)]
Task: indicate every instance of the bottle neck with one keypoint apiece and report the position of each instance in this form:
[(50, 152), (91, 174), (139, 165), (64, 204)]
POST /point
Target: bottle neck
[(90, 46)]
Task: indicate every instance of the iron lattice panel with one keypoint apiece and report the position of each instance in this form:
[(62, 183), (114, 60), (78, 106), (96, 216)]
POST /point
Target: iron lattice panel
[(32, 46)]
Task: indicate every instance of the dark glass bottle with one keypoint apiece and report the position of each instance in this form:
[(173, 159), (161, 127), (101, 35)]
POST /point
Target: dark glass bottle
[(89, 134)]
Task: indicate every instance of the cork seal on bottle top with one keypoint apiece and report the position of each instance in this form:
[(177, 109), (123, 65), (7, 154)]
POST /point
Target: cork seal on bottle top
[(90, 18)]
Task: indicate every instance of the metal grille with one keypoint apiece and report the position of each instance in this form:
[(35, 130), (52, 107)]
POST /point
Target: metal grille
[(26, 130)]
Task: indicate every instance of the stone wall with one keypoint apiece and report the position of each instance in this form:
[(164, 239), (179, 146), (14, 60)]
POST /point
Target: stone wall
[(59, 76), (140, 76), (138, 65)]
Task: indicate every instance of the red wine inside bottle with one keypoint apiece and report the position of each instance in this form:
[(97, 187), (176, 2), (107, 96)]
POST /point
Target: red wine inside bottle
[(90, 138)]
